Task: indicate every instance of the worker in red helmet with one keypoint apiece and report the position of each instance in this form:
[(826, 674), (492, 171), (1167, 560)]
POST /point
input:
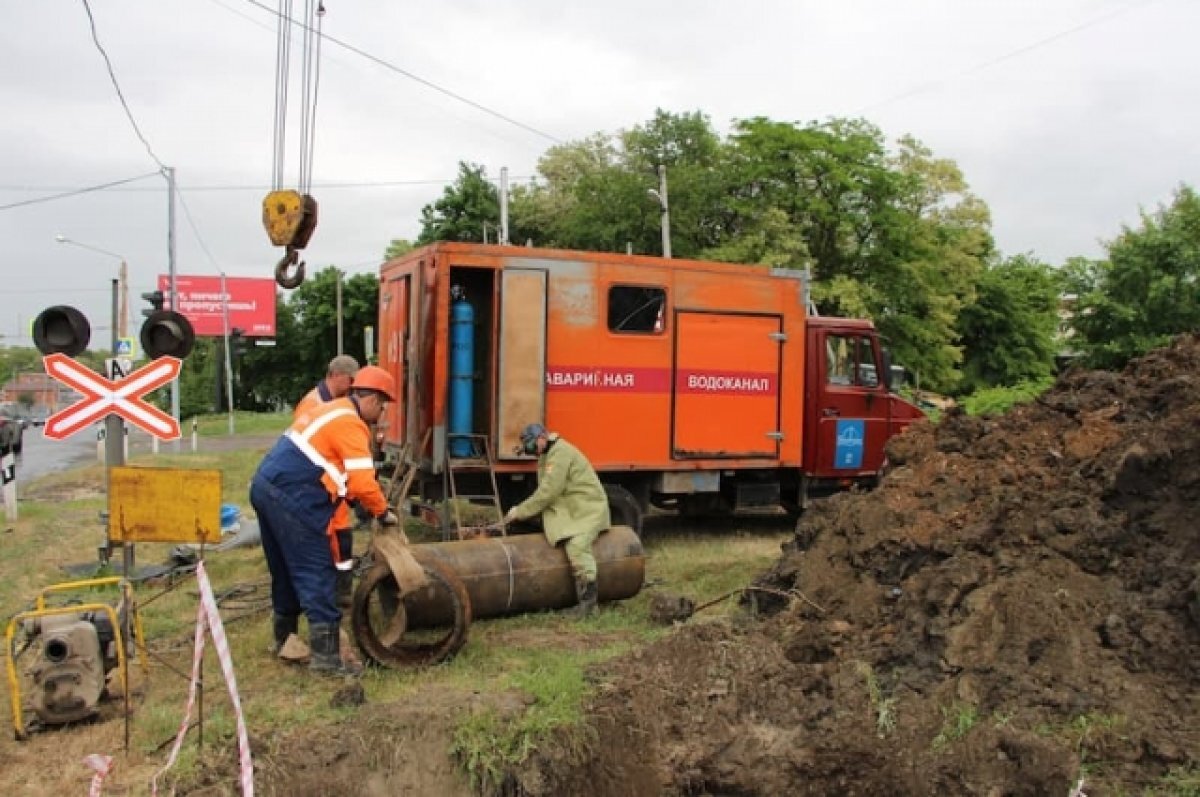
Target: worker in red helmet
[(573, 506), (339, 376), (321, 461)]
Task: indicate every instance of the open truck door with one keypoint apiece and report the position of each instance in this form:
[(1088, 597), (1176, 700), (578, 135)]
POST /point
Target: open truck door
[(521, 387), (395, 308)]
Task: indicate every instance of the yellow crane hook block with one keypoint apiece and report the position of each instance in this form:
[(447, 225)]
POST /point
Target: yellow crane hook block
[(289, 218)]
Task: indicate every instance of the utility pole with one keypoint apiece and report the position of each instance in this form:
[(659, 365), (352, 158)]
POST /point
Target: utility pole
[(169, 173), (661, 196), (503, 206), (228, 362), (123, 309), (340, 349)]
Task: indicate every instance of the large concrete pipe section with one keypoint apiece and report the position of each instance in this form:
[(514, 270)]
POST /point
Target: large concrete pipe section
[(524, 573)]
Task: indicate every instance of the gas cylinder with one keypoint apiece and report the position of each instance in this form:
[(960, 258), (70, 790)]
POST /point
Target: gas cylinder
[(462, 373)]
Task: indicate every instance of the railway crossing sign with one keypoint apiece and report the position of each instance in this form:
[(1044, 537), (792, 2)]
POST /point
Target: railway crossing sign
[(105, 396)]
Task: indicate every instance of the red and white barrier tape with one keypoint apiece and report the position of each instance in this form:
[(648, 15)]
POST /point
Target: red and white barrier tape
[(209, 617), (101, 765)]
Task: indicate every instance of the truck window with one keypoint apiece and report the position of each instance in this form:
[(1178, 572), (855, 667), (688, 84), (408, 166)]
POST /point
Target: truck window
[(839, 360), (850, 360), (868, 376), (636, 309)]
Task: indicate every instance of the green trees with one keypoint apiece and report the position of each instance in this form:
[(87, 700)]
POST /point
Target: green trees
[(1009, 331), (1147, 291), (463, 209), (888, 231)]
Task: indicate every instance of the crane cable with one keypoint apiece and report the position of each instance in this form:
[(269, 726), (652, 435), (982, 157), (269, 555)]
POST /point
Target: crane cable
[(291, 216), (312, 82)]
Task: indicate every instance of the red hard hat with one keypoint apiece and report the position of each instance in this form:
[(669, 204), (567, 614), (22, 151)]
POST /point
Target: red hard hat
[(372, 377)]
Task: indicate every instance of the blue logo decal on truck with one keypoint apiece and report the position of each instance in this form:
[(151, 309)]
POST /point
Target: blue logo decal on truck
[(849, 451)]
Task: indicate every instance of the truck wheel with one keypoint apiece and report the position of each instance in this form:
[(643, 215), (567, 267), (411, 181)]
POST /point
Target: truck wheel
[(624, 508)]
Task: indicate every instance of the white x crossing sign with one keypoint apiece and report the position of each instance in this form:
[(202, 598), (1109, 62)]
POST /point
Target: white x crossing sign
[(104, 396)]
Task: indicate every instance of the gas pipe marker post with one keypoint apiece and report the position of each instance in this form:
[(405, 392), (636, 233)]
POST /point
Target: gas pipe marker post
[(8, 469)]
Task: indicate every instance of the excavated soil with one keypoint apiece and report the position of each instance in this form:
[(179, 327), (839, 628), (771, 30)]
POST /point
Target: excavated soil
[(1014, 609)]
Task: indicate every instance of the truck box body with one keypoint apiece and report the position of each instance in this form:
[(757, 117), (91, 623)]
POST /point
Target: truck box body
[(684, 382)]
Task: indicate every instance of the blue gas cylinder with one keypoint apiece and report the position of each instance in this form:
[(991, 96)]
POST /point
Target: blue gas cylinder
[(462, 374)]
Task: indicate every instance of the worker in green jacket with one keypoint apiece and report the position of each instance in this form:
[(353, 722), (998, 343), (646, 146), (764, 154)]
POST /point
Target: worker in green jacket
[(572, 503)]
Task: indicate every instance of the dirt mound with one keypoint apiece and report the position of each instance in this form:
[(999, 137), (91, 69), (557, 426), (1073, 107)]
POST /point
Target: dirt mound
[(1015, 608)]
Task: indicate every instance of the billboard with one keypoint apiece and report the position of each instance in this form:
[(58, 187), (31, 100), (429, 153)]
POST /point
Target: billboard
[(251, 304)]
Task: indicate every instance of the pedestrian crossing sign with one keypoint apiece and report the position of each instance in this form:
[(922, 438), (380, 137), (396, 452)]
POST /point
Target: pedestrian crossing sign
[(124, 347)]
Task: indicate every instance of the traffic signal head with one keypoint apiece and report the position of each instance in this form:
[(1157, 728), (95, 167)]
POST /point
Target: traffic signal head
[(167, 333), (61, 329), (237, 341), (156, 302)]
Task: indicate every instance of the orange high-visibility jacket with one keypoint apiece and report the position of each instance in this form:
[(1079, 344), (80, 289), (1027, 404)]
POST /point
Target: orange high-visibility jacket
[(314, 398), (333, 441)]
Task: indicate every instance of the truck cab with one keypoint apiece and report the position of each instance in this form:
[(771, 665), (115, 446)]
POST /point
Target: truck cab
[(849, 410)]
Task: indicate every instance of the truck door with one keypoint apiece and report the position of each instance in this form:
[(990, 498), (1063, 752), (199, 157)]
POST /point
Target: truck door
[(394, 350), (726, 385), (850, 406), (522, 367)]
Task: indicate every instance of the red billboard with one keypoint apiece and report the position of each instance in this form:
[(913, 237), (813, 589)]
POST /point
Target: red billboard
[(251, 304)]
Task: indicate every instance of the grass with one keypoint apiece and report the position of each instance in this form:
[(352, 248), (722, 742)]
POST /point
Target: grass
[(998, 400), (488, 744), (883, 709), (957, 721), (1182, 781), (543, 657), (244, 423)]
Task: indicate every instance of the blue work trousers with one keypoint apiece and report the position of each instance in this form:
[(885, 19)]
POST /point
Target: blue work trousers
[(303, 577)]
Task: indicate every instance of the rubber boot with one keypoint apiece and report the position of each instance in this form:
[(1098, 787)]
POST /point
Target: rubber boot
[(326, 652), (283, 627), (345, 589), (587, 594)]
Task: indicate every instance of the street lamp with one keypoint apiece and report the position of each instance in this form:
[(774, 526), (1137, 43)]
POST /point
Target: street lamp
[(119, 327), (661, 196)]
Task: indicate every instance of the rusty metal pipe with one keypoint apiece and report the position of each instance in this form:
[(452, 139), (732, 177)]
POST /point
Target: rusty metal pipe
[(524, 573)]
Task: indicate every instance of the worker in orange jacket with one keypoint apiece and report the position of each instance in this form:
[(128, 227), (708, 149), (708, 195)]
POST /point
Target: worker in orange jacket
[(339, 376), (322, 461)]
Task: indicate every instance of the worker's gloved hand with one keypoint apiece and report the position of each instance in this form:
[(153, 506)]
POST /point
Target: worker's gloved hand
[(389, 518), (511, 516)]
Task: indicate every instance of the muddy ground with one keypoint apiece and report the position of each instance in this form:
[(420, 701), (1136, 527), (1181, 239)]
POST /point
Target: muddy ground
[(1016, 609)]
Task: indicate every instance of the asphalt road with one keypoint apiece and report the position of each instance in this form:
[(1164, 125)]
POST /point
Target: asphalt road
[(42, 456)]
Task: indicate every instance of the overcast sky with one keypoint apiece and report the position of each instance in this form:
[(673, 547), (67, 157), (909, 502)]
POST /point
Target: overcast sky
[(1066, 116)]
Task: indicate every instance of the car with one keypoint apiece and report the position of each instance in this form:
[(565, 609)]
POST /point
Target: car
[(12, 430)]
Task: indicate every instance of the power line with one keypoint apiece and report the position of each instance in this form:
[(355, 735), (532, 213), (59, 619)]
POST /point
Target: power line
[(411, 76), (120, 95), (196, 232), (75, 192), (249, 187), (1062, 34)]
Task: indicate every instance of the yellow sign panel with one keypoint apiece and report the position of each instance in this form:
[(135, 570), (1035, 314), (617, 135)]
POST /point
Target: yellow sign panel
[(164, 505)]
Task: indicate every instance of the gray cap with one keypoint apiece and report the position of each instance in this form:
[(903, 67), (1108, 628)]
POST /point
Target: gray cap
[(342, 364), (532, 432)]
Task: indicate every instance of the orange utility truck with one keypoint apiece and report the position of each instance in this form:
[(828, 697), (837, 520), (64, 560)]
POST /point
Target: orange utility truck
[(690, 385)]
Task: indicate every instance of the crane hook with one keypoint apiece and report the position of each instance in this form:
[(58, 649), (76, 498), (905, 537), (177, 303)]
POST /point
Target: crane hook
[(292, 257)]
